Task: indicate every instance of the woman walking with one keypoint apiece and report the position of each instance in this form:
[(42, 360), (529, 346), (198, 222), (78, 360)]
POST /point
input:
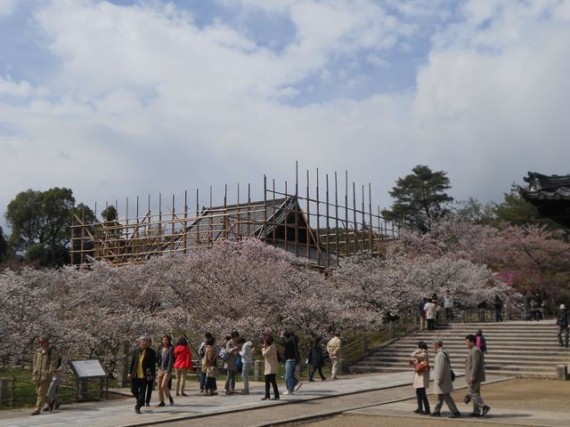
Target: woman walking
[(269, 353), (420, 362), (182, 364), (165, 361)]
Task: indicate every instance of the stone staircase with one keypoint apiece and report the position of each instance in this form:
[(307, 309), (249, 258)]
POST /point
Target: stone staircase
[(515, 348)]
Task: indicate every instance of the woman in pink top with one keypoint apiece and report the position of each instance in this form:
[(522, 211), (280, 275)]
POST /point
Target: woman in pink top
[(182, 364)]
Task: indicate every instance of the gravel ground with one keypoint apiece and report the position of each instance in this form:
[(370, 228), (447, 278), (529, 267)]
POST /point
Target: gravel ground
[(520, 394)]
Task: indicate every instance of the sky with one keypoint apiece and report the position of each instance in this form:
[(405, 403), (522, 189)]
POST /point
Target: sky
[(126, 98)]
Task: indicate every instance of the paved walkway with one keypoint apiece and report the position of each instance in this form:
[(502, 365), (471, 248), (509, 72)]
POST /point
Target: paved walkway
[(120, 412)]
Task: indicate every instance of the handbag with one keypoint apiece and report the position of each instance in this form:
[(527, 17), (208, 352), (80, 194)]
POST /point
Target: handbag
[(421, 367), (450, 370), (211, 372)]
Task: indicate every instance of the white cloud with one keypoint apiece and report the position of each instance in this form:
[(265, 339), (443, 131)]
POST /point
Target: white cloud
[(7, 7), (144, 101)]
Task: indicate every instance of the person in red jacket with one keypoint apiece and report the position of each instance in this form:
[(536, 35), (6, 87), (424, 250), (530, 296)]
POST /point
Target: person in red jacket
[(182, 364)]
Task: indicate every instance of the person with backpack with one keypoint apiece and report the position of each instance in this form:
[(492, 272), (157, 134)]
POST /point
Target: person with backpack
[(480, 341), (43, 370)]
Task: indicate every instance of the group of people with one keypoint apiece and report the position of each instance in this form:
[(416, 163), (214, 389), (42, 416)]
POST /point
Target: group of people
[(430, 308), (235, 352), (143, 370), (443, 377)]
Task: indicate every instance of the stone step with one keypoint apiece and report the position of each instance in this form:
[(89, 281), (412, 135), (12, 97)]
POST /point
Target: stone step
[(461, 382), (522, 349)]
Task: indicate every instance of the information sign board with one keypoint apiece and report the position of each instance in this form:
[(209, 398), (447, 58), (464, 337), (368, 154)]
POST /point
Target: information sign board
[(88, 369)]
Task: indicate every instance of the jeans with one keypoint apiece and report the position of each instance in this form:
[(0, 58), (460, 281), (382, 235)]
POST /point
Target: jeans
[(290, 380), (245, 377), (230, 380)]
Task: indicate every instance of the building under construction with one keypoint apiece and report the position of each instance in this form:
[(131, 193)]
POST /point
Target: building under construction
[(319, 227)]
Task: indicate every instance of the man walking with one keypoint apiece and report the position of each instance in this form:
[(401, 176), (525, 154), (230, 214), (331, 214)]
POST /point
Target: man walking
[(475, 375), (443, 385), (562, 323), (333, 349), (44, 367)]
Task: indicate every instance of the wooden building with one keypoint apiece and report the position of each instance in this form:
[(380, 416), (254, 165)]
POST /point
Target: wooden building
[(319, 227), (550, 195)]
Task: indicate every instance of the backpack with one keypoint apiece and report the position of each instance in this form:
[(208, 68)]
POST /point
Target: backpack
[(202, 350), (59, 358), (483, 344)]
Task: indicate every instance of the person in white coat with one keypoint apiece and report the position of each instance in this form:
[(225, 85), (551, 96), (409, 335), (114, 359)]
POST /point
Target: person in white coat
[(442, 384), (420, 362)]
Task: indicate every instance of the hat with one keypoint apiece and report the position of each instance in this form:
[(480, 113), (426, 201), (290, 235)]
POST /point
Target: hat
[(562, 307)]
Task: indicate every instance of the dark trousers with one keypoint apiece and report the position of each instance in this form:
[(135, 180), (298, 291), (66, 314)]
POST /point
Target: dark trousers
[(563, 334), (139, 389), (270, 380), (431, 324), (449, 314), (313, 370), (149, 389), (423, 402), (202, 381)]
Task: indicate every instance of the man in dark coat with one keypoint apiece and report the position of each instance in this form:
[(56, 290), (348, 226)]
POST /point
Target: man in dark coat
[(142, 370)]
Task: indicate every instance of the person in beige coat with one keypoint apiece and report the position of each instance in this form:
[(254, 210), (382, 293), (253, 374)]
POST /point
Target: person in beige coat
[(442, 384), (269, 353), (420, 357), (475, 375), (333, 349), (44, 367)]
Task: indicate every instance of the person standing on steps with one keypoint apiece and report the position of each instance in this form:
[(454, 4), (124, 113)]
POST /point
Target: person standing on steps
[(442, 382), (475, 375), (562, 323), (448, 306), (498, 309)]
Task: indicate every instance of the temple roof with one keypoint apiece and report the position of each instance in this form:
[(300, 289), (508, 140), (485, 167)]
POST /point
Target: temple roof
[(550, 195)]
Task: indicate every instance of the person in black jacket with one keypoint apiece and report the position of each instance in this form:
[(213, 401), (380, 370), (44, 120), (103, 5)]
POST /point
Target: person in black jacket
[(142, 370), (316, 359)]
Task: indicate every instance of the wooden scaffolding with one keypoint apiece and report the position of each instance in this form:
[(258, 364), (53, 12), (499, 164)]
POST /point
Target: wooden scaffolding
[(319, 227)]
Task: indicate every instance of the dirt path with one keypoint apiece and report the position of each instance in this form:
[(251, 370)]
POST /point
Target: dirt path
[(550, 397)]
